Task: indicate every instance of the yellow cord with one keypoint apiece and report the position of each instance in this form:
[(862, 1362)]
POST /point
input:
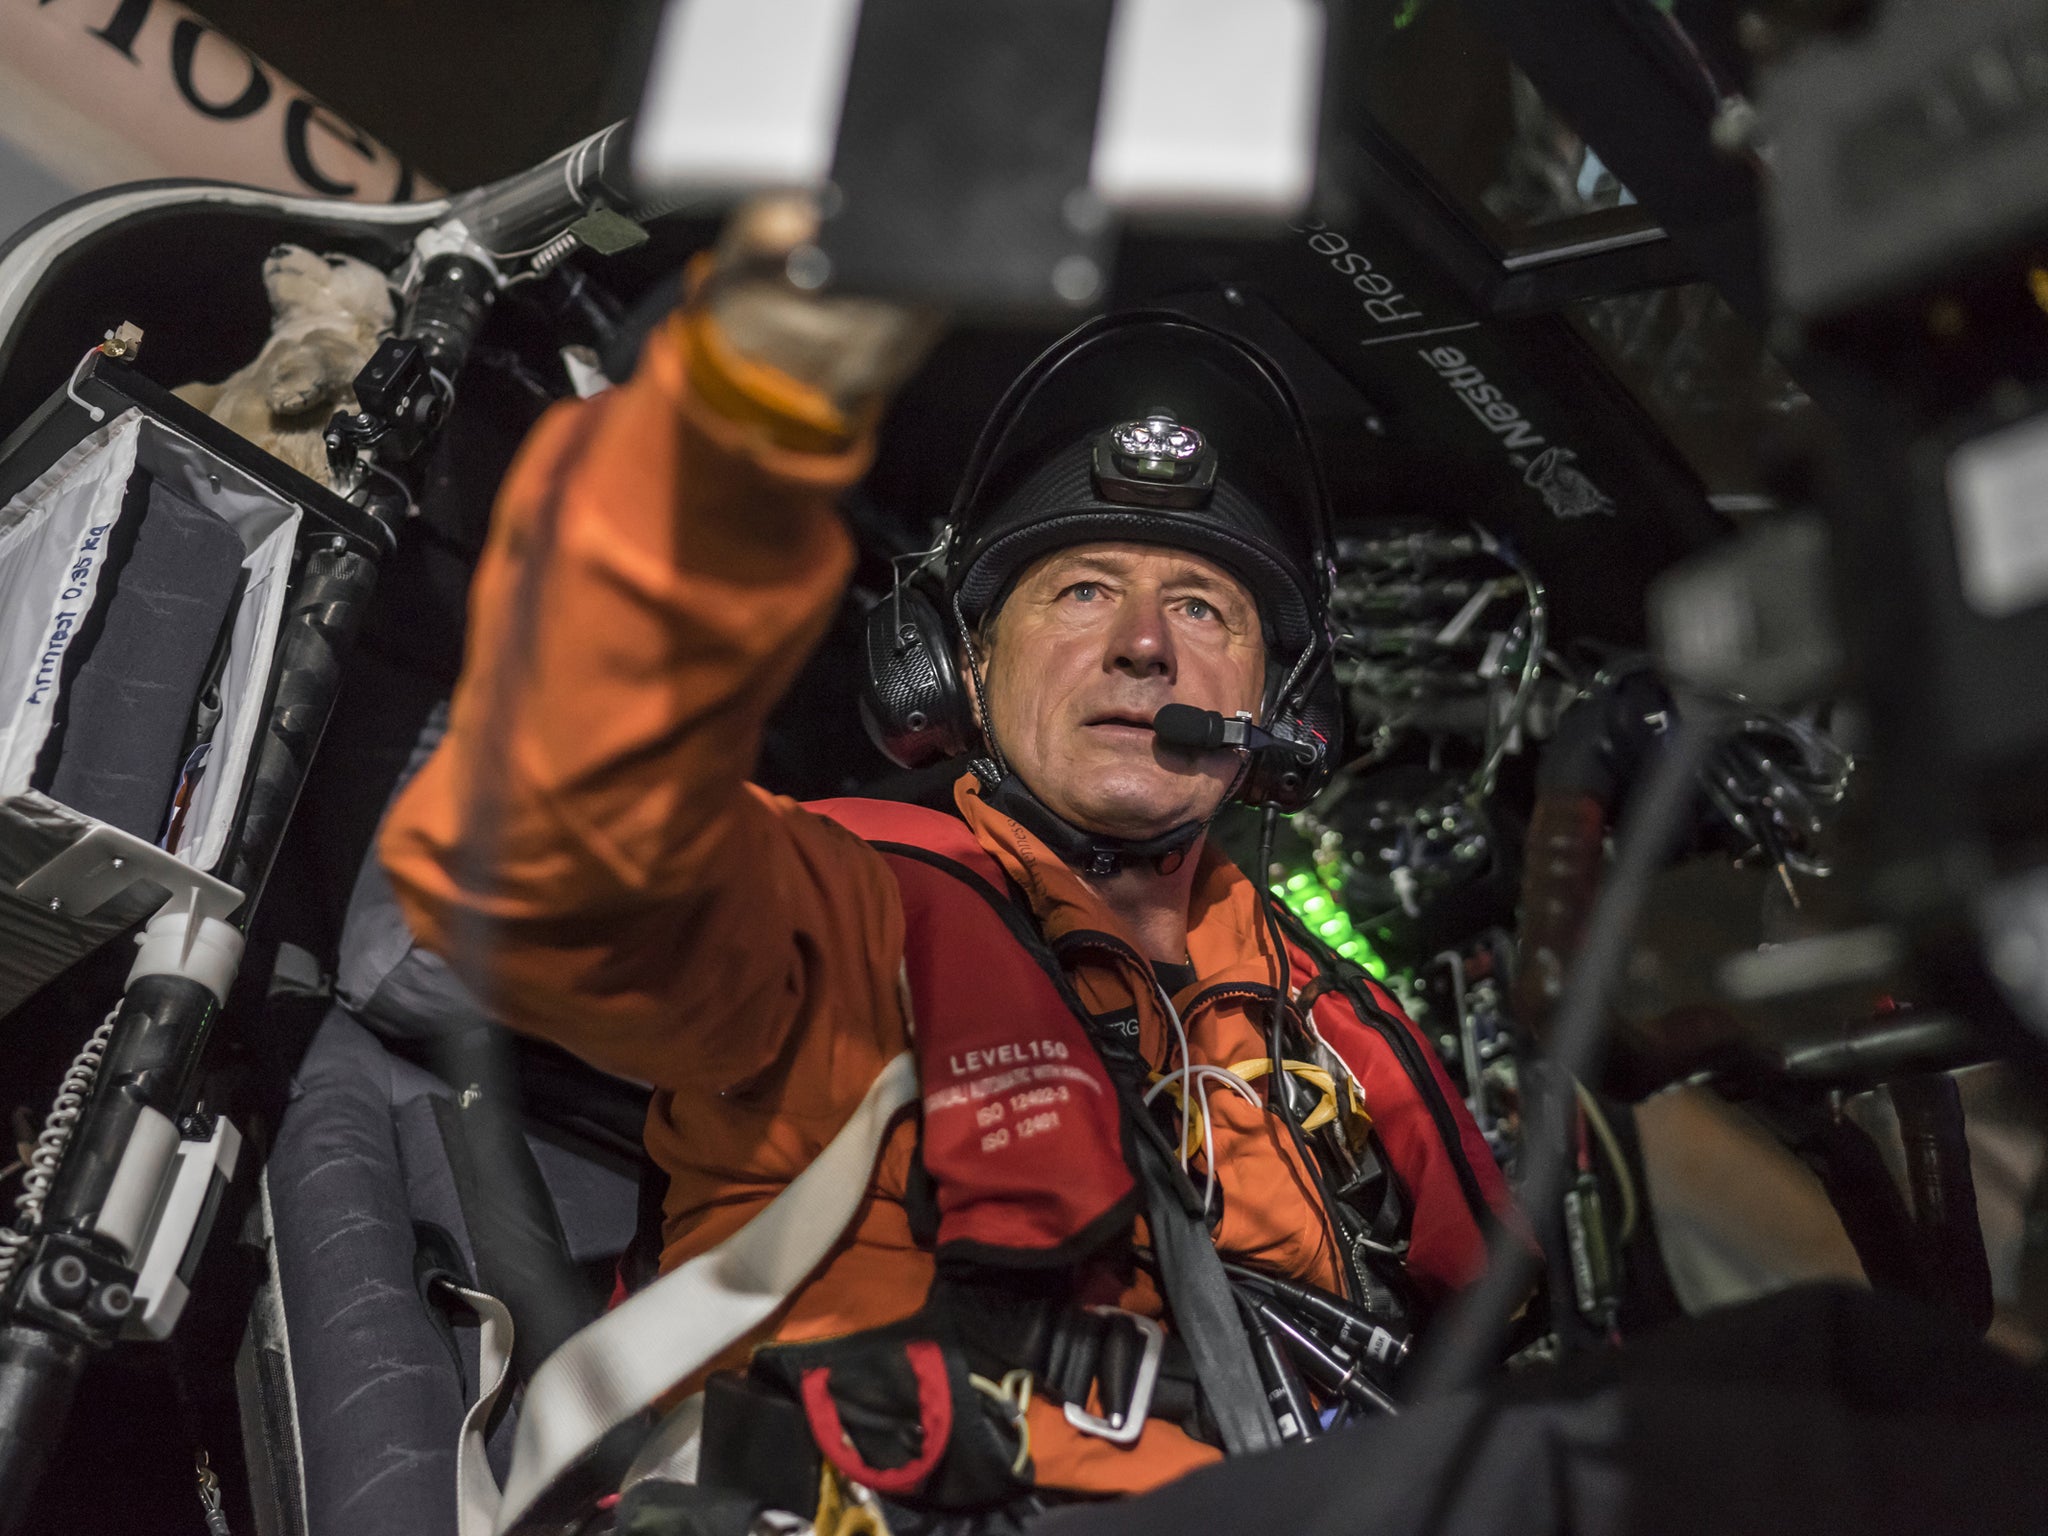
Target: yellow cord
[(846, 1508), (1604, 1132), (1257, 1067), (1014, 1393)]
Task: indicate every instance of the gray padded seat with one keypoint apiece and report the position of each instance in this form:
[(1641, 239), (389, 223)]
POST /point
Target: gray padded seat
[(370, 1379)]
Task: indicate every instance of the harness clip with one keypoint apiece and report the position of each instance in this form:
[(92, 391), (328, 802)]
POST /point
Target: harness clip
[(1123, 1428)]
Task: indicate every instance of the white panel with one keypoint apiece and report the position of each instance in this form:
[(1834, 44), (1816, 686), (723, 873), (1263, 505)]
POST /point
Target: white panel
[(1210, 106), (744, 94), (159, 1294), (52, 540), (1998, 498)]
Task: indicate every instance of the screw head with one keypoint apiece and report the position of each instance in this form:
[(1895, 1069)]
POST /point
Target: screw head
[(65, 1279), (113, 1301)]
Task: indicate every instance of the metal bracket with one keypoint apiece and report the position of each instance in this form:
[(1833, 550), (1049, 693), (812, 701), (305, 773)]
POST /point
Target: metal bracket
[(107, 861), (178, 1232), (73, 1286)]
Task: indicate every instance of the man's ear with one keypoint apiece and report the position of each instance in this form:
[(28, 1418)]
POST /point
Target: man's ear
[(969, 672), (970, 662), (971, 659)]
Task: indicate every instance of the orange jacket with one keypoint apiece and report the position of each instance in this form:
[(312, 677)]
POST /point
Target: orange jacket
[(584, 846)]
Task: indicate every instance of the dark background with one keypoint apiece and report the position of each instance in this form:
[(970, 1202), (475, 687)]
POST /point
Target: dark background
[(466, 90)]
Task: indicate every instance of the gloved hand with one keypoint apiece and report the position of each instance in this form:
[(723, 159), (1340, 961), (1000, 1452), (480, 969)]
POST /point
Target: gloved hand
[(854, 350), (1603, 741)]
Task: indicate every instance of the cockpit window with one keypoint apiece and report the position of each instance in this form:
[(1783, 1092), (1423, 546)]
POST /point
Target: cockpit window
[(1478, 129)]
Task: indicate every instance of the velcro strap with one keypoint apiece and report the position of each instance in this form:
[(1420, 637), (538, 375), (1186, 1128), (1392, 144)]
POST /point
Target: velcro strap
[(934, 1421)]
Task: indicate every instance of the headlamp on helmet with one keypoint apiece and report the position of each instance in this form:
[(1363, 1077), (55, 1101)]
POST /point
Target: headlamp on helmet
[(1155, 462)]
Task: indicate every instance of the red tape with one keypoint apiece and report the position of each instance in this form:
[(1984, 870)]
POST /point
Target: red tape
[(934, 1418)]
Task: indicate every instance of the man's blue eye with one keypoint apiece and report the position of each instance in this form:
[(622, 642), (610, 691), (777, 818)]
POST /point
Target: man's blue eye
[(1197, 609), (1084, 590)]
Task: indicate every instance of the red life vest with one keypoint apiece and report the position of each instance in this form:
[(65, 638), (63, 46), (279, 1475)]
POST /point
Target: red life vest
[(1021, 1129), (1024, 1141)]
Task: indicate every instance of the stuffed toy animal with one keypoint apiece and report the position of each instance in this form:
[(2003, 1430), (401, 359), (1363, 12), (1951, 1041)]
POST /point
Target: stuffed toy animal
[(328, 313)]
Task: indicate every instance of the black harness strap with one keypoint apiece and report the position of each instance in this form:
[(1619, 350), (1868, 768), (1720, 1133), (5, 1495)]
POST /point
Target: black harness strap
[(1198, 1293)]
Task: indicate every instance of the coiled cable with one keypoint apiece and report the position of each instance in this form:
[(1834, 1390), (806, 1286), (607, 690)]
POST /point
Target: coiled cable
[(48, 1154)]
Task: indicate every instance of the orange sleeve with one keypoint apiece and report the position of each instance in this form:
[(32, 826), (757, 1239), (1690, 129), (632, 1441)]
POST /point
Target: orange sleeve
[(583, 846)]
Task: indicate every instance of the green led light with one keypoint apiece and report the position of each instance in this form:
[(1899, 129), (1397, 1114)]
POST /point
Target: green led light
[(1311, 896), (1360, 953)]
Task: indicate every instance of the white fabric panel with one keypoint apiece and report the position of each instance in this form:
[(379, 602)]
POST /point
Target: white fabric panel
[(53, 539), (52, 550)]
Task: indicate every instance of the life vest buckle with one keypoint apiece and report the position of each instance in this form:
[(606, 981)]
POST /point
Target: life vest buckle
[(1123, 1426)]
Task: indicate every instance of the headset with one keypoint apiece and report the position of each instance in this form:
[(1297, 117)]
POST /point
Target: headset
[(913, 700)]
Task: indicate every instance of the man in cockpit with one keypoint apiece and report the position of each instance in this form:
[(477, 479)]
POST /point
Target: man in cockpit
[(1127, 1070)]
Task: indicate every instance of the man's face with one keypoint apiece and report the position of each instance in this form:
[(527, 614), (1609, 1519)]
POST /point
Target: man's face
[(1091, 641)]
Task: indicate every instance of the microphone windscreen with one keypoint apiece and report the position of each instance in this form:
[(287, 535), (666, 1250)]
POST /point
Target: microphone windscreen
[(1188, 728)]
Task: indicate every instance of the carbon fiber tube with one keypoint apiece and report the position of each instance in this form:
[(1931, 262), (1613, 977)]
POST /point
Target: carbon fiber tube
[(530, 206), (1944, 1194), (39, 1375), (152, 1054), (326, 611), (454, 297)]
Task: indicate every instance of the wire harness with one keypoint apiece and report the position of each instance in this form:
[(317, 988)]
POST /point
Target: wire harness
[(48, 1154)]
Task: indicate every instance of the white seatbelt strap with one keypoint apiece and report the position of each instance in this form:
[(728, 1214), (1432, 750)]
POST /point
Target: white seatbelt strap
[(476, 1492), (609, 1371)]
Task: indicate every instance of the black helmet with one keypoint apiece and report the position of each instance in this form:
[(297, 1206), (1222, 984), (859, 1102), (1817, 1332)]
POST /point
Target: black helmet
[(1148, 427)]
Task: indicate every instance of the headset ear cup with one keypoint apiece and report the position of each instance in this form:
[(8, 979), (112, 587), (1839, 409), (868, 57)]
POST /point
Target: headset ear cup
[(911, 698), (1280, 778)]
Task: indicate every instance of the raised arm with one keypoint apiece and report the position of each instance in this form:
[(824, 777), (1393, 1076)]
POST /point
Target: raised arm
[(584, 846)]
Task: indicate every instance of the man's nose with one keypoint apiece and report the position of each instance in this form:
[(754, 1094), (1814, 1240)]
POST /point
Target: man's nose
[(1142, 644)]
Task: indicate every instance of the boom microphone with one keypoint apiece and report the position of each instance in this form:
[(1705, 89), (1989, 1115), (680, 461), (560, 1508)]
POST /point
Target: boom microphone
[(1190, 729), (1187, 728)]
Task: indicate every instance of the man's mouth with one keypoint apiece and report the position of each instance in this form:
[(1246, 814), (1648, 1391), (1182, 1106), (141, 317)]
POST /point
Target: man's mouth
[(1121, 719)]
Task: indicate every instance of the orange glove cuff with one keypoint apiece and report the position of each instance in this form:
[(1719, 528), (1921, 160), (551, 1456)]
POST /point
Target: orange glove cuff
[(792, 414)]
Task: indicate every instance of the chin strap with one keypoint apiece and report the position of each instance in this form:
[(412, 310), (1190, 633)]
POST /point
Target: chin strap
[(1092, 853)]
